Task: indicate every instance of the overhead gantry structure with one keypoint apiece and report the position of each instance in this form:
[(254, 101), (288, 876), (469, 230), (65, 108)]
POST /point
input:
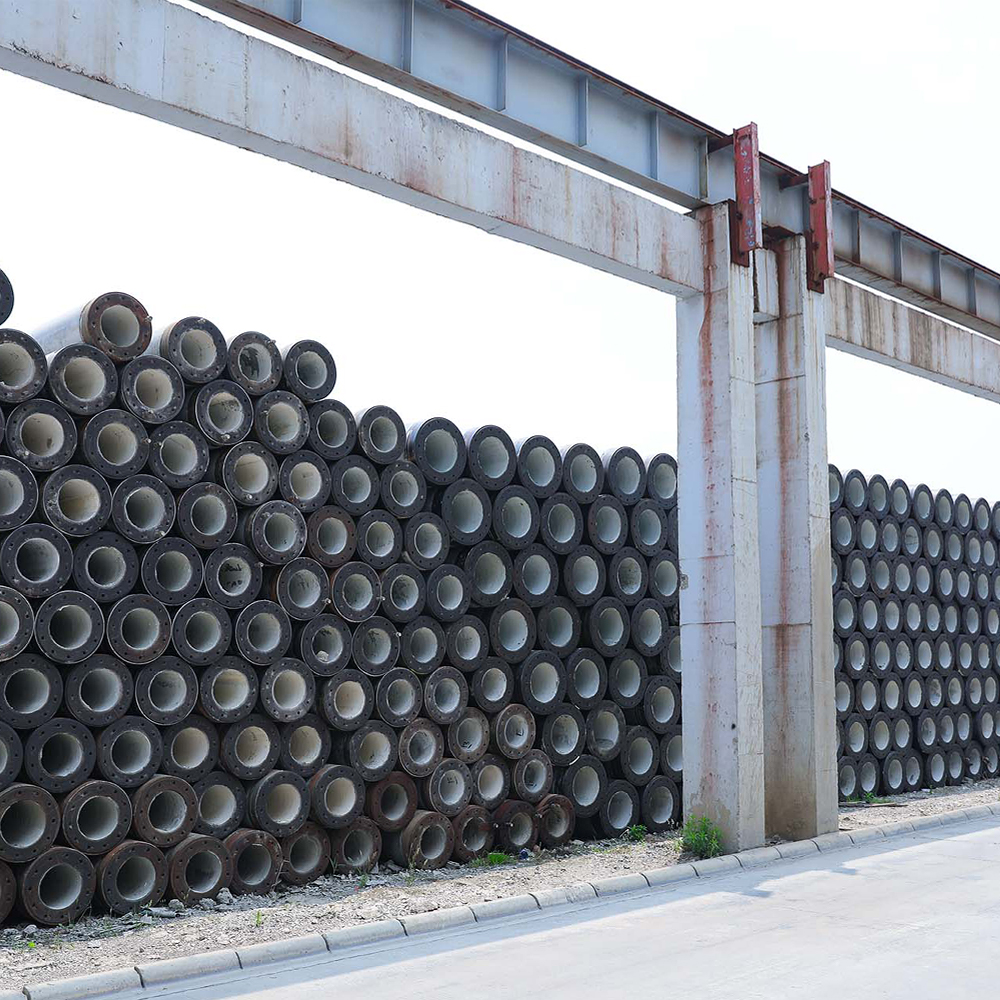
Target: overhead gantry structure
[(751, 263)]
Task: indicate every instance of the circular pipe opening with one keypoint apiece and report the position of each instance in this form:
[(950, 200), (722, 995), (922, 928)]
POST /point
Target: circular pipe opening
[(70, 627), (203, 632), (179, 454), (106, 566), (37, 560), (349, 700), (84, 379), (332, 430), (264, 632), (59, 887), (190, 748), (252, 747), (22, 824), (218, 805), (305, 855), (251, 473), (203, 871), (340, 797), (145, 508), (131, 751), (135, 879), (166, 811), (42, 435), (253, 863), (283, 803), (98, 817)]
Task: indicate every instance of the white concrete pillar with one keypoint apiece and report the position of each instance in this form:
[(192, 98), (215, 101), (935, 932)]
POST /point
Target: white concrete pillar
[(717, 510), (800, 745)]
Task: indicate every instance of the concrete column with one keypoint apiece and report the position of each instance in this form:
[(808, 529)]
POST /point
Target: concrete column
[(717, 509), (800, 745)]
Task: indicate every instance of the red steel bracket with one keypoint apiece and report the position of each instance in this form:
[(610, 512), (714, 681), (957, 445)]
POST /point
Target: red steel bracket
[(746, 160), (819, 239)]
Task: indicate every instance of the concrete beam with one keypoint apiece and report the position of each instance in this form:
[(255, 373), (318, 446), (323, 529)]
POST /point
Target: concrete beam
[(876, 328), (800, 740), (719, 555), (172, 64)]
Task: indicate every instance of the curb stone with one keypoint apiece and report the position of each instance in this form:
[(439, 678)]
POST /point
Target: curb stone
[(508, 907), (282, 951), (171, 970), (361, 934), (712, 866), (757, 856), (99, 984), (620, 883), (437, 920)]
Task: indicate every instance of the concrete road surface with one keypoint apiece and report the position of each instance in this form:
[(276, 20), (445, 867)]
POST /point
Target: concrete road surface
[(915, 917)]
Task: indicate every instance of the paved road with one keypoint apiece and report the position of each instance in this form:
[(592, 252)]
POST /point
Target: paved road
[(916, 917)]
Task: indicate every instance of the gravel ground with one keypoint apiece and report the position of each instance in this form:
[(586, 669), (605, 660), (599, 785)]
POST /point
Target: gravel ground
[(31, 954), (923, 803)]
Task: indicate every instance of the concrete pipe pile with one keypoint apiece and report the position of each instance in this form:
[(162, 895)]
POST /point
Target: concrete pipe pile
[(247, 634), (916, 609)]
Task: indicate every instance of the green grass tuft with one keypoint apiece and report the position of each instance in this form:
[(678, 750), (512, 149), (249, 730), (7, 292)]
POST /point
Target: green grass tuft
[(702, 837)]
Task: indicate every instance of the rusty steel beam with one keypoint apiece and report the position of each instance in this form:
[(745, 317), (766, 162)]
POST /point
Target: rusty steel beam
[(148, 56)]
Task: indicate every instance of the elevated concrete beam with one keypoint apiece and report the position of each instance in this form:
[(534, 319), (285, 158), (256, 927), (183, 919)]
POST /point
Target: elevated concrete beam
[(169, 63), (873, 327), (719, 554)]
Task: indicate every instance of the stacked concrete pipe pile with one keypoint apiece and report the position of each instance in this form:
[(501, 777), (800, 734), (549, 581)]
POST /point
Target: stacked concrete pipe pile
[(916, 610), (248, 635)]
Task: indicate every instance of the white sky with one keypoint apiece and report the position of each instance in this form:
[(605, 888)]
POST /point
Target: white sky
[(433, 317)]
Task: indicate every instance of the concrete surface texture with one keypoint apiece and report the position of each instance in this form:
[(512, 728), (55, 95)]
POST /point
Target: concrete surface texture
[(912, 916)]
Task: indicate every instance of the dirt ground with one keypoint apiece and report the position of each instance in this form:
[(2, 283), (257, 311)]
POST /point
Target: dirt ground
[(30, 954)]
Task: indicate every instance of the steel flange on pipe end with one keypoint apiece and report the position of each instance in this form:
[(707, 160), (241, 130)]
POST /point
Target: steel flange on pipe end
[(152, 389), (305, 745), (11, 755), (257, 861), (8, 891), (69, 627), (59, 755), (130, 876), (356, 848), (337, 796), (556, 821), (474, 835), (279, 803), (516, 826), (306, 853), (17, 621), (309, 371), (138, 629), (426, 843), (233, 576), (29, 822), (420, 748), (254, 363), (164, 810), (23, 368), (31, 691), (57, 887), (221, 804), (129, 751), (250, 747), (392, 802), (195, 347), (199, 866), (6, 298), (96, 816)]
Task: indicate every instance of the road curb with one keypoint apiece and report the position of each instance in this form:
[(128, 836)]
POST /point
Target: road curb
[(258, 957)]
